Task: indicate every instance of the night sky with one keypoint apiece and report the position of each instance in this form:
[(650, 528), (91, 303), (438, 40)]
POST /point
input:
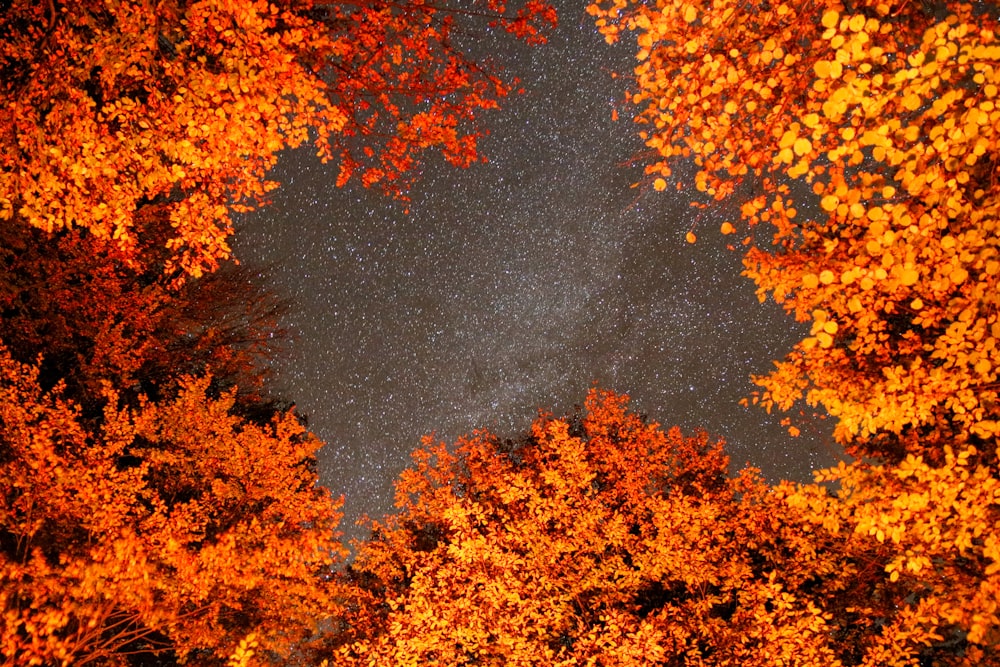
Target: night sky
[(516, 285)]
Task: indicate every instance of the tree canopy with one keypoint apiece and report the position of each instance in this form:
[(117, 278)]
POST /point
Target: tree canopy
[(865, 136), (605, 539), (175, 526), (113, 107), (160, 505)]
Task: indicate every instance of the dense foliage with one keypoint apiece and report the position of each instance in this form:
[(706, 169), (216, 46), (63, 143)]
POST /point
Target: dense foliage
[(866, 136), (157, 502), (112, 107), (159, 505), (603, 539), (175, 526)]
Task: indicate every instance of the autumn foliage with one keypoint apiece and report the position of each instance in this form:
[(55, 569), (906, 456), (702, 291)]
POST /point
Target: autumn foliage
[(866, 136), (86, 320), (175, 526), (109, 108), (604, 539), (159, 505), (938, 525)]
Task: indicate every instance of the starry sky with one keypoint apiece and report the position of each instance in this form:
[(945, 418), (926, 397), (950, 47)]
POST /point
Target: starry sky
[(517, 285)]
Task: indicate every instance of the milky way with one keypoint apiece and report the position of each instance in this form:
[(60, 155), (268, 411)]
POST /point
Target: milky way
[(516, 285)]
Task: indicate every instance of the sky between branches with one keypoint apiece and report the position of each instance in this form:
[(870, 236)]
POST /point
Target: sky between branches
[(515, 285)]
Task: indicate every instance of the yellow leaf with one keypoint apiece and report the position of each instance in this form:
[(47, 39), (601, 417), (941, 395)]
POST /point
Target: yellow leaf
[(912, 102)]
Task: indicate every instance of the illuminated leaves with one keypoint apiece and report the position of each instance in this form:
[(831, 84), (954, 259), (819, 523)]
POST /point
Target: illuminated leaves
[(887, 113), (607, 539), (176, 526), (937, 524), (109, 110), (603, 539), (244, 653), (880, 120)]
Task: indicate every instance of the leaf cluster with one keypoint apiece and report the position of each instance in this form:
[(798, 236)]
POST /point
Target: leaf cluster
[(865, 137), (110, 108), (614, 543)]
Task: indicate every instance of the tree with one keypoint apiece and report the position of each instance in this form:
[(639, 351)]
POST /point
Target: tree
[(109, 108), (150, 400), (939, 524), (86, 320), (866, 135), (173, 527), (878, 119), (607, 540)]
